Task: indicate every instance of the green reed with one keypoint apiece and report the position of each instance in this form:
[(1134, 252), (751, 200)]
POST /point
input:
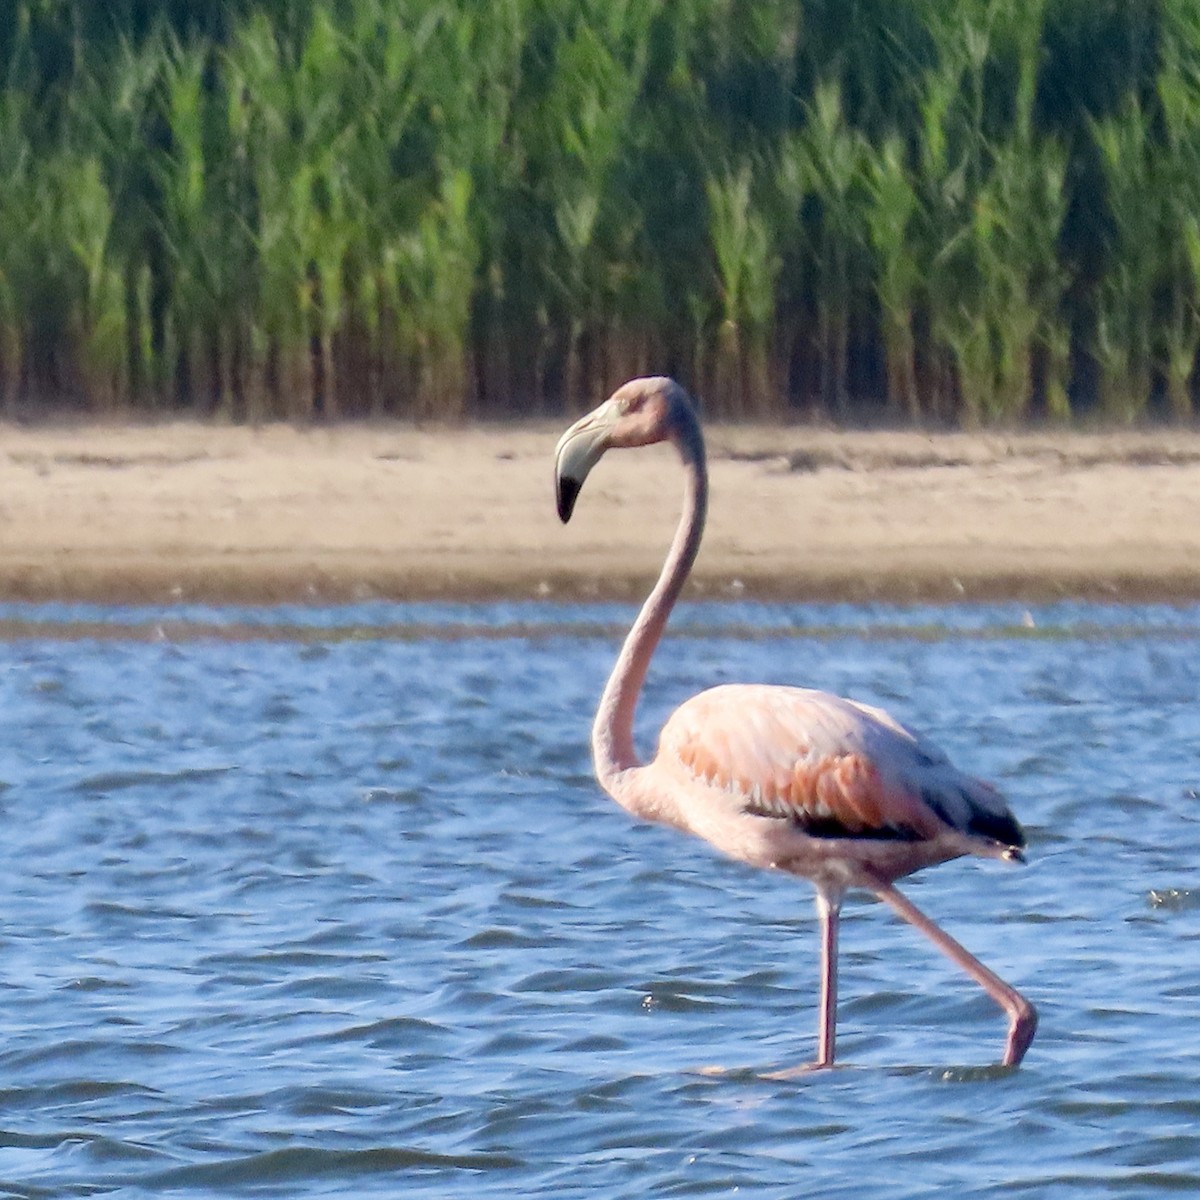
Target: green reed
[(971, 213)]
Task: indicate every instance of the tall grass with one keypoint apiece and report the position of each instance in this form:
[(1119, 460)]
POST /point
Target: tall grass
[(984, 212)]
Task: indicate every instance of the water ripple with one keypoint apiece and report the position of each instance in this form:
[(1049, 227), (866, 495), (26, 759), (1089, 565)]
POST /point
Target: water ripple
[(325, 902)]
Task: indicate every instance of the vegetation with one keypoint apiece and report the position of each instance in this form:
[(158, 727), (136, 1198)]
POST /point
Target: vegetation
[(985, 211)]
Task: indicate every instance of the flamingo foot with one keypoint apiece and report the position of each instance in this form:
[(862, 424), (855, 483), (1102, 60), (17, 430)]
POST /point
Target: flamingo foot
[(785, 1073), (1020, 1033), (748, 1073)]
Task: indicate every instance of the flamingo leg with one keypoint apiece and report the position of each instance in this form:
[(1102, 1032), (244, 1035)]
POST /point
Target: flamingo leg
[(829, 909), (1022, 1015)]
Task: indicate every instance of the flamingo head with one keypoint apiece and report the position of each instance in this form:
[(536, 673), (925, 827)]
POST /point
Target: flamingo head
[(638, 413)]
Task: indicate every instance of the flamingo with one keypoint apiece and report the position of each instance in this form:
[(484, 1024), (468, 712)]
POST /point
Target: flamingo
[(785, 778)]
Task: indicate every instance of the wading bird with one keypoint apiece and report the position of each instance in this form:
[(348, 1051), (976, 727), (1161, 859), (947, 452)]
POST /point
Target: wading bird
[(781, 777)]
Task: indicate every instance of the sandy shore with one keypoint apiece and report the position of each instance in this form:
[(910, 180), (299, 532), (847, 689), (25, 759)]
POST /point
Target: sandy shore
[(192, 512)]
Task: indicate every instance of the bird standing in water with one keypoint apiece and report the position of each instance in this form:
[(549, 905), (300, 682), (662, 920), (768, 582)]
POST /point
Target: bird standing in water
[(786, 778)]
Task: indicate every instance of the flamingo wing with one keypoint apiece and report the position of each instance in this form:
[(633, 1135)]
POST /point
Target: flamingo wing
[(833, 767)]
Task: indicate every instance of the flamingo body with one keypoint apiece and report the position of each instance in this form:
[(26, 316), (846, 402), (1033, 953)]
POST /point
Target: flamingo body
[(784, 778), (813, 784)]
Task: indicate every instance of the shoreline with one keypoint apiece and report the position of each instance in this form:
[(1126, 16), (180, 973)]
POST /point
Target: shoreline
[(184, 512)]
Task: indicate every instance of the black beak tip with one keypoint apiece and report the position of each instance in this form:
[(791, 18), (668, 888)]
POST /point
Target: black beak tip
[(567, 491)]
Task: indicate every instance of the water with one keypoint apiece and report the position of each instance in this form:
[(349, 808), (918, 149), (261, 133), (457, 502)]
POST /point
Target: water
[(325, 903)]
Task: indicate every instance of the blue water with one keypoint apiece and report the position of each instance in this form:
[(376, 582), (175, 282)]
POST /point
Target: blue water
[(301, 902)]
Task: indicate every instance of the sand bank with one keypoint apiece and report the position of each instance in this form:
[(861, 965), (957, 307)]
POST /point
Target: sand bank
[(185, 511)]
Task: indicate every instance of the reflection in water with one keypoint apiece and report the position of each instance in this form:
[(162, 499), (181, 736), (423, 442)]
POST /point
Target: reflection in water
[(326, 902)]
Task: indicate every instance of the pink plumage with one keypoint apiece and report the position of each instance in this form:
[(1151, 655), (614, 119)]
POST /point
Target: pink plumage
[(783, 778)]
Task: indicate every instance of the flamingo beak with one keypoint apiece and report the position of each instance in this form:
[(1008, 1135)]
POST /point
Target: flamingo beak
[(577, 452)]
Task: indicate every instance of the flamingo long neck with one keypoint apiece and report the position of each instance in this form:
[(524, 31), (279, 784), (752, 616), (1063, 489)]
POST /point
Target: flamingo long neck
[(612, 732)]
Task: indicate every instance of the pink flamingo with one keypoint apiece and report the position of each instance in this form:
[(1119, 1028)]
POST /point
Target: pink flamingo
[(780, 777)]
